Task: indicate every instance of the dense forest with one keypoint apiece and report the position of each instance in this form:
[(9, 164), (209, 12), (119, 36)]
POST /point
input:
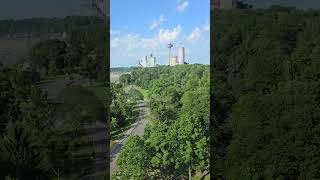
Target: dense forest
[(40, 139), (266, 94), (175, 143)]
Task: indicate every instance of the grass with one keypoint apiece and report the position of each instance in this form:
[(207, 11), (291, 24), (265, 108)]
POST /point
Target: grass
[(144, 92), (119, 132), (198, 175)]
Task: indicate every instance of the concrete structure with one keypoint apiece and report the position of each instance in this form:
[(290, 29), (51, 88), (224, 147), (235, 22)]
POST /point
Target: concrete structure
[(147, 61), (175, 60), (169, 57), (181, 55)]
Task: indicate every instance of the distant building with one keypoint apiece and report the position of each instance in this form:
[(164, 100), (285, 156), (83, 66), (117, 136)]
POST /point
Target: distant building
[(175, 60), (181, 55), (147, 61)]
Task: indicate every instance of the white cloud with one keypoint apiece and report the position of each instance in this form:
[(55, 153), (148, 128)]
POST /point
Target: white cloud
[(166, 35), (157, 22), (130, 47), (206, 26), (112, 32), (133, 41), (127, 49), (128, 39), (163, 37), (182, 5), (197, 33), (114, 42)]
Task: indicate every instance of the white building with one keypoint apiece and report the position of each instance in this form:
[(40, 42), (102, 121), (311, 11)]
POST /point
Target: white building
[(147, 61), (181, 55), (175, 60)]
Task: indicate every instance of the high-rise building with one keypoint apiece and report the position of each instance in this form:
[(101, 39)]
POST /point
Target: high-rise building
[(174, 61), (169, 58), (152, 61), (181, 55), (147, 61)]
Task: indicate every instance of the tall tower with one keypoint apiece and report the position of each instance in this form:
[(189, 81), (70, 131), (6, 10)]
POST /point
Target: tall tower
[(181, 55), (169, 58), (174, 61)]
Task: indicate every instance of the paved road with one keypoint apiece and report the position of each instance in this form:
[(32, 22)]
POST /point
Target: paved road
[(54, 87), (97, 132), (136, 129)]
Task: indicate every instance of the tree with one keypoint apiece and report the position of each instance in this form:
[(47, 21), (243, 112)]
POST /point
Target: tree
[(22, 153), (176, 143), (125, 79), (59, 155), (134, 159)]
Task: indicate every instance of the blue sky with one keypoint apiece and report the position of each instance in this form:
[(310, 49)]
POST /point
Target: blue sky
[(141, 27)]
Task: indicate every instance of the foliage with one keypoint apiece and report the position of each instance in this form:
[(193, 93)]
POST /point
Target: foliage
[(121, 108), (125, 79), (177, 142), (36, 142), (265, 94), (80, 47), (83, 104)]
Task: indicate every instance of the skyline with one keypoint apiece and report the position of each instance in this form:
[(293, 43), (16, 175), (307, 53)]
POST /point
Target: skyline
[(139, 29)]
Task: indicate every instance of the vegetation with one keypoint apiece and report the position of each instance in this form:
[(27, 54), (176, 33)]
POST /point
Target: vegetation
[(122, 109), (265, 88), (32, 146), (176, 144), (40, 139), (82, 104), (81, 52)]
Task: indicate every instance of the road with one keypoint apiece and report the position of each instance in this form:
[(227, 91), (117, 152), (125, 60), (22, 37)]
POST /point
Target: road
[(97, 132), (137, 128), (54, 87)]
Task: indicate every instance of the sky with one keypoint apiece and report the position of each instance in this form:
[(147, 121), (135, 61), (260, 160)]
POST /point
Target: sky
[(141, 27)]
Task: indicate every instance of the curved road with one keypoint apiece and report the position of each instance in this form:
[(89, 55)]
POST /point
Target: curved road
[(96, 131), (137, 128)]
